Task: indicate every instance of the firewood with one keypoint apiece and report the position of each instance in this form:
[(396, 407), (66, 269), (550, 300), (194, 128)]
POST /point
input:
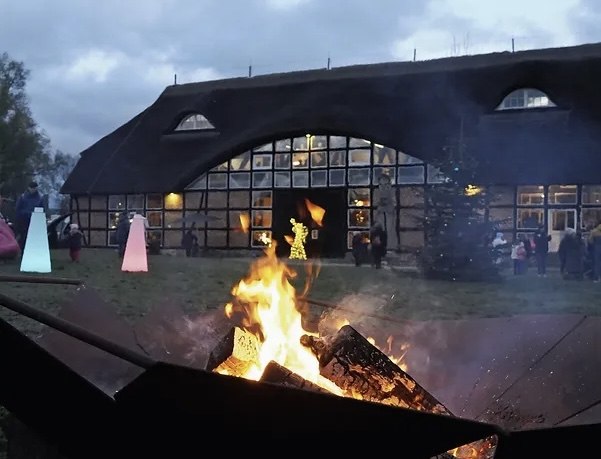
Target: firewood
[(276, 373), (237, 351), (361, 369)]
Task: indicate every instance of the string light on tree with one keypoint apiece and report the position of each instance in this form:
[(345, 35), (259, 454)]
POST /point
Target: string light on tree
[(297, 251)]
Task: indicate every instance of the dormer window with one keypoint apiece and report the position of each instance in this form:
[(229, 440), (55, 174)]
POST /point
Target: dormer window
[(194, 122), (525, 98)]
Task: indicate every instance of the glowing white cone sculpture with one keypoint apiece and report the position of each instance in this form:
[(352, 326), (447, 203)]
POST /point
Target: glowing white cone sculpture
[(36, 255)]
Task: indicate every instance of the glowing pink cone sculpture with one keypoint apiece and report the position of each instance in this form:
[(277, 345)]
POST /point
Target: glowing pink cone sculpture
[(135, 259)]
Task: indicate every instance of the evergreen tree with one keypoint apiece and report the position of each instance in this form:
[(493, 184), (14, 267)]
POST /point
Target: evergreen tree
[(457, 237)]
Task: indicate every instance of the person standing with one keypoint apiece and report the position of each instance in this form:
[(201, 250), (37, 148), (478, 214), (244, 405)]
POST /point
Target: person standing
[(541, 250), (121, 233), (189, 241), (26, 203), (379, 241), (595, 244), (75, 242)]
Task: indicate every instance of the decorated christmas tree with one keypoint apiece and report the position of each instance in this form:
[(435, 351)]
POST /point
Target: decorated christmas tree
[(457, 237)]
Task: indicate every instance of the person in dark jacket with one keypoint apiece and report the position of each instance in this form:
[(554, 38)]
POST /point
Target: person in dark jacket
[(75, 242), (571, 255), (122, 233), (541, 250), (360, 252), (25, 205), (379, 242), (189, 242)]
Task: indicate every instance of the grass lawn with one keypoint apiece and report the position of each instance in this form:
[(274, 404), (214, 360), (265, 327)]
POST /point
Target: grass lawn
[(205, 283)]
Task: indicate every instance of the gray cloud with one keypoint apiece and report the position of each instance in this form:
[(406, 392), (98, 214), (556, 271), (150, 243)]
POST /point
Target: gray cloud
[(97, 64)]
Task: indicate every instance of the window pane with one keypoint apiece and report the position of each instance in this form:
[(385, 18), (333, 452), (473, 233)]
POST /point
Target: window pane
[(154, 201), (531, 195), (282, 179), (410, 174), (318, 142), (407, 159), (262, 198), (135, 201), (319, 159), (262, 179), (174, 201), (411, 196), (117, 202), (300, 179), (262, 161), (337, 177), (239, 199), (300, 160), (199, 184), (282, 145), (337, 142), (338, 158), (240, 180), (217, 181), (155, 219), (113, 219), (359, 197), (384, 155), (351, 235), (358, 218), (261, 238), (241, 162), (261, 218), (319, 178), (379, 171), (358, 176), (530, 218), (590, 218), (591, 194), (265, 147), (282, 161), (300, 143), (563, 194), (359, 157), (217, 219), (173, 219), (216, 199), (360, 143), (221, 168)]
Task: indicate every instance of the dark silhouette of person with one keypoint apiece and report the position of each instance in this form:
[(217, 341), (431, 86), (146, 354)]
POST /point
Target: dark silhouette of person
[(122, 233), (26, 203), (379, 242), (541, 250), (360, 252), (189, 242), (571, 255)]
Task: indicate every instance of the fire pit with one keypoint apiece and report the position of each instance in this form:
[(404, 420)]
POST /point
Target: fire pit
[(253, 371)]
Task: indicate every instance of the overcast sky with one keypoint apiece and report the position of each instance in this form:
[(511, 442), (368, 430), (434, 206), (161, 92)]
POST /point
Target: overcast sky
[(96, 64)]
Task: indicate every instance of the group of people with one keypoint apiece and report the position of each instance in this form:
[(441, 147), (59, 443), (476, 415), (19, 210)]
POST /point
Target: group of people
[(578, 257), (375, 244)]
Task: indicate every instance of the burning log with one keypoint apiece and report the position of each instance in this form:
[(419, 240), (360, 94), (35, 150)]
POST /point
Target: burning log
[(358, 367), (277, 374), (237, 351)]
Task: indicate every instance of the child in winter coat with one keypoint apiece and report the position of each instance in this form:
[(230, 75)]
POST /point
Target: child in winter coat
[(518, 255), (75, 242)]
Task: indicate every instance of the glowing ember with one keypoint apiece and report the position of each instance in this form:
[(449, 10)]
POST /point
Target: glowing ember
[(244, 222), (316, 212), (267, 301), (388, 350)]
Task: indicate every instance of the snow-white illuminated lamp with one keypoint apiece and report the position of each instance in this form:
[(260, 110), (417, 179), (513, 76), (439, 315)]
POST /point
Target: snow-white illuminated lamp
[(525, 98)]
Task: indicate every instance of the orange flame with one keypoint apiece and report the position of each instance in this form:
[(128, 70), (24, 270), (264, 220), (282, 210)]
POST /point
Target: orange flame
[(267, 300), (316, 212), (244, 222), (289, 239)]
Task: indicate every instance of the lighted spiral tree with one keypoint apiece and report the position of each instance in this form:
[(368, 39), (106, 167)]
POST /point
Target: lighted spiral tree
[(297, 250), (456, 234)]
